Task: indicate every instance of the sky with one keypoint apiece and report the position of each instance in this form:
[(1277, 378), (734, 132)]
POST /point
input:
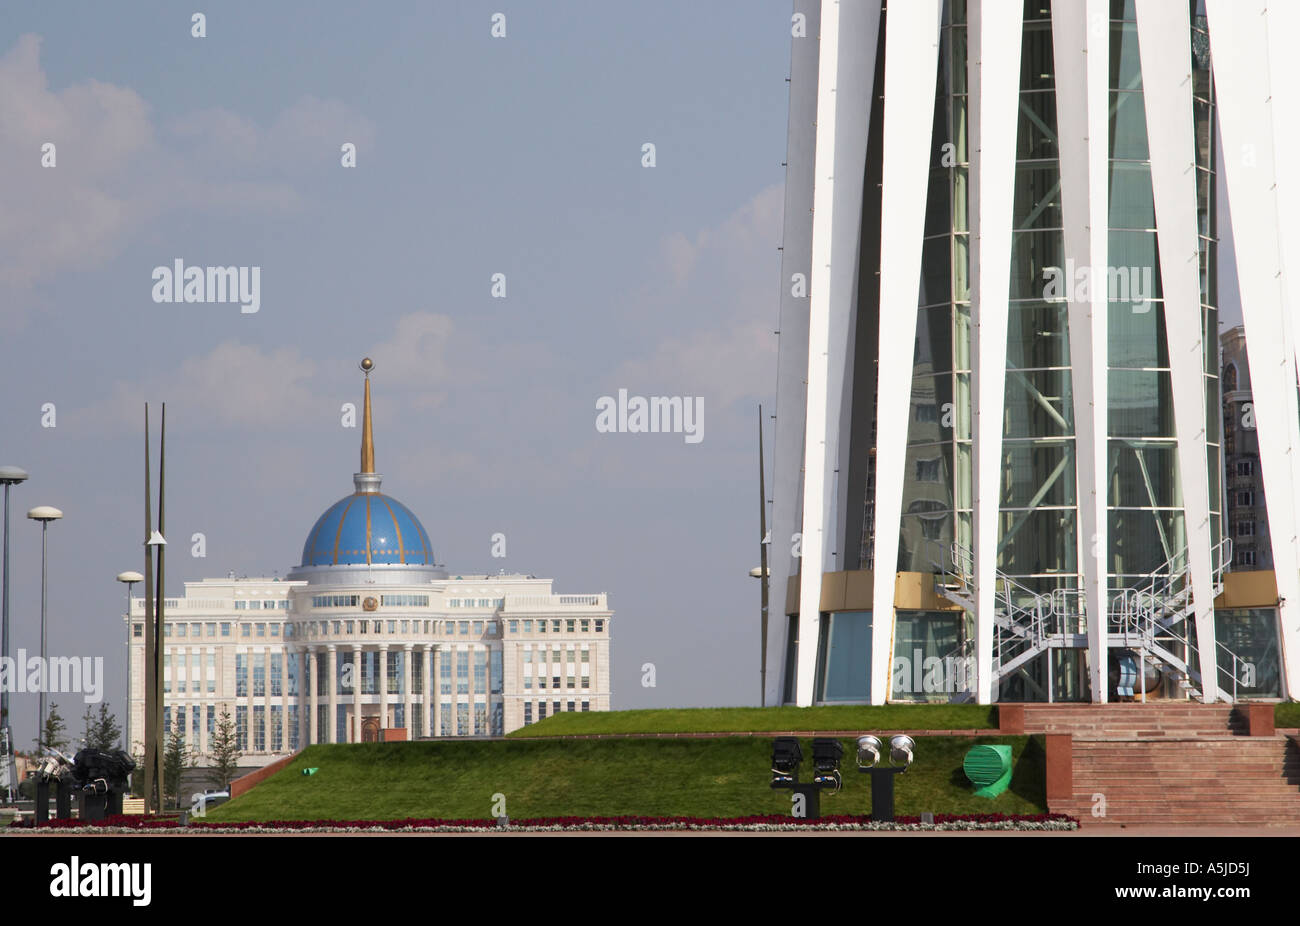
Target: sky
[(475, 155)]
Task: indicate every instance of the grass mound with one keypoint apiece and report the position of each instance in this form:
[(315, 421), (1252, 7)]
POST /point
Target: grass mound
[(769, 719), (723, 777), (1287, 714)]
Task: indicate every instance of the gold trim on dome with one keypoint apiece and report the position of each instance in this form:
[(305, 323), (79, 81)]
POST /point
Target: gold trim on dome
[(339, 534), (397, 527)]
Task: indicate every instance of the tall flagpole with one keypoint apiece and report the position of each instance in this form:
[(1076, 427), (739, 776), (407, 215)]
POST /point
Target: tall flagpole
[(762, 560), (160, 603), (150, 641)]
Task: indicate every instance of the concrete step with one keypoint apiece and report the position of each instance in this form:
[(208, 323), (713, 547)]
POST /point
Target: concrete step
[(1186, 779)]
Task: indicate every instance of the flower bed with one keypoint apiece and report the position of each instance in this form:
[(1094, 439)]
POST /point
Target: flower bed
[(759, 824)]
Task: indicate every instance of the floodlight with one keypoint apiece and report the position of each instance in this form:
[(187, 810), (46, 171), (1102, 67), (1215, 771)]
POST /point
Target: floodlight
[(786, 756), (901, 748), (868, 751), (826, 761)]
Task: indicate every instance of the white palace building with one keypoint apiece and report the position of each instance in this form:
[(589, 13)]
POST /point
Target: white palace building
[(369, 639)]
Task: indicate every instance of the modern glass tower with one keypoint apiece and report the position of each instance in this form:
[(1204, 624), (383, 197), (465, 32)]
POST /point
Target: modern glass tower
[(998, 457)]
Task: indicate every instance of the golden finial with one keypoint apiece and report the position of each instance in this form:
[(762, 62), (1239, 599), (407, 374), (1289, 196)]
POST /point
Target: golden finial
[(367, 434)]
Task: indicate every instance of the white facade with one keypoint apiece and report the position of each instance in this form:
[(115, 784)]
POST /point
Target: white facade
[(248, 646), (1004, 377)]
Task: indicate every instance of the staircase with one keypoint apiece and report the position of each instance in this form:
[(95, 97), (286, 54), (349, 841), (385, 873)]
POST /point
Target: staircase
[(1165, 720), (1025, 623), (1152, 620), (1172, 763), (1205, 780), (1149, 620)]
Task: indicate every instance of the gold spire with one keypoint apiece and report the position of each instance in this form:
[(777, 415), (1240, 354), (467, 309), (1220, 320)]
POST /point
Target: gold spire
[(367, 434)]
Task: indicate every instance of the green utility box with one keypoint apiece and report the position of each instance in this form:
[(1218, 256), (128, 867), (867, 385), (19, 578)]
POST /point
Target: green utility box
[(989, 769)]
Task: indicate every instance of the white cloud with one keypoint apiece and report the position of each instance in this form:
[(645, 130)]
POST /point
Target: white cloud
[(115, 173), (727, 273), (416, 353), (234, 386), (75, 213), (309, 132)]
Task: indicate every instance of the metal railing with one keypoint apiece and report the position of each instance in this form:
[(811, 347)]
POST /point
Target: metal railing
[(1145, 618)]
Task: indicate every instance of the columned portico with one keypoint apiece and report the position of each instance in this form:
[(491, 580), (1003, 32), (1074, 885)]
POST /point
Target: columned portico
[(331, 685), (309, 679), (355, 726), (430, 691), (411, 732), (383, 685)]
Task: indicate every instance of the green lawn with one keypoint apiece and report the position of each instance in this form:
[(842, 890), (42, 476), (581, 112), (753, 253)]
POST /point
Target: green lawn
[(1287, 714), (767, 719), (723, 777)]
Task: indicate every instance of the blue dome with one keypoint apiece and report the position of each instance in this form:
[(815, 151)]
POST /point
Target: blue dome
[(367, 527)]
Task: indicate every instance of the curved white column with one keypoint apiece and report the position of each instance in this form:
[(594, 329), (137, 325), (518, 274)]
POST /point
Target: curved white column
[(1167, 89), (995, 30)]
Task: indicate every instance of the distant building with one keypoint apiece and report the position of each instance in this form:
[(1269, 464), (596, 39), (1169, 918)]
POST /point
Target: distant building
[(370, 633), (1247, 514)]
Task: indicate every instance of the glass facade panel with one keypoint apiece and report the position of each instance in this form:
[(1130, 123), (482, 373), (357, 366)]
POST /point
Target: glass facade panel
[(1143, 474), (1038, 335), (927, 664), (1136, 335), (1039, 403), (1036, 133), (1251, 634), (1141, 403), (1036, 543), (1038, 474), (1032, 254), (843, 660), (1140, 541)]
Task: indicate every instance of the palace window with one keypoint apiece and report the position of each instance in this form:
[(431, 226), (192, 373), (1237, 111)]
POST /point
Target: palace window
[(334, 601)]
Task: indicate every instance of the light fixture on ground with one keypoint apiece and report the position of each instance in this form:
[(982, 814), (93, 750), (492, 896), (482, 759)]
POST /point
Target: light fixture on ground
[(786, 758), (787, 755), (827, 753), (9, 476), (868, 751), (902, 749), (128, 579), (45, 514)]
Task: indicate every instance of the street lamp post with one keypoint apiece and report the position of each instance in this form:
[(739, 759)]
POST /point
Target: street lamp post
[(9, 476), (45, 514), (128, 579)]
